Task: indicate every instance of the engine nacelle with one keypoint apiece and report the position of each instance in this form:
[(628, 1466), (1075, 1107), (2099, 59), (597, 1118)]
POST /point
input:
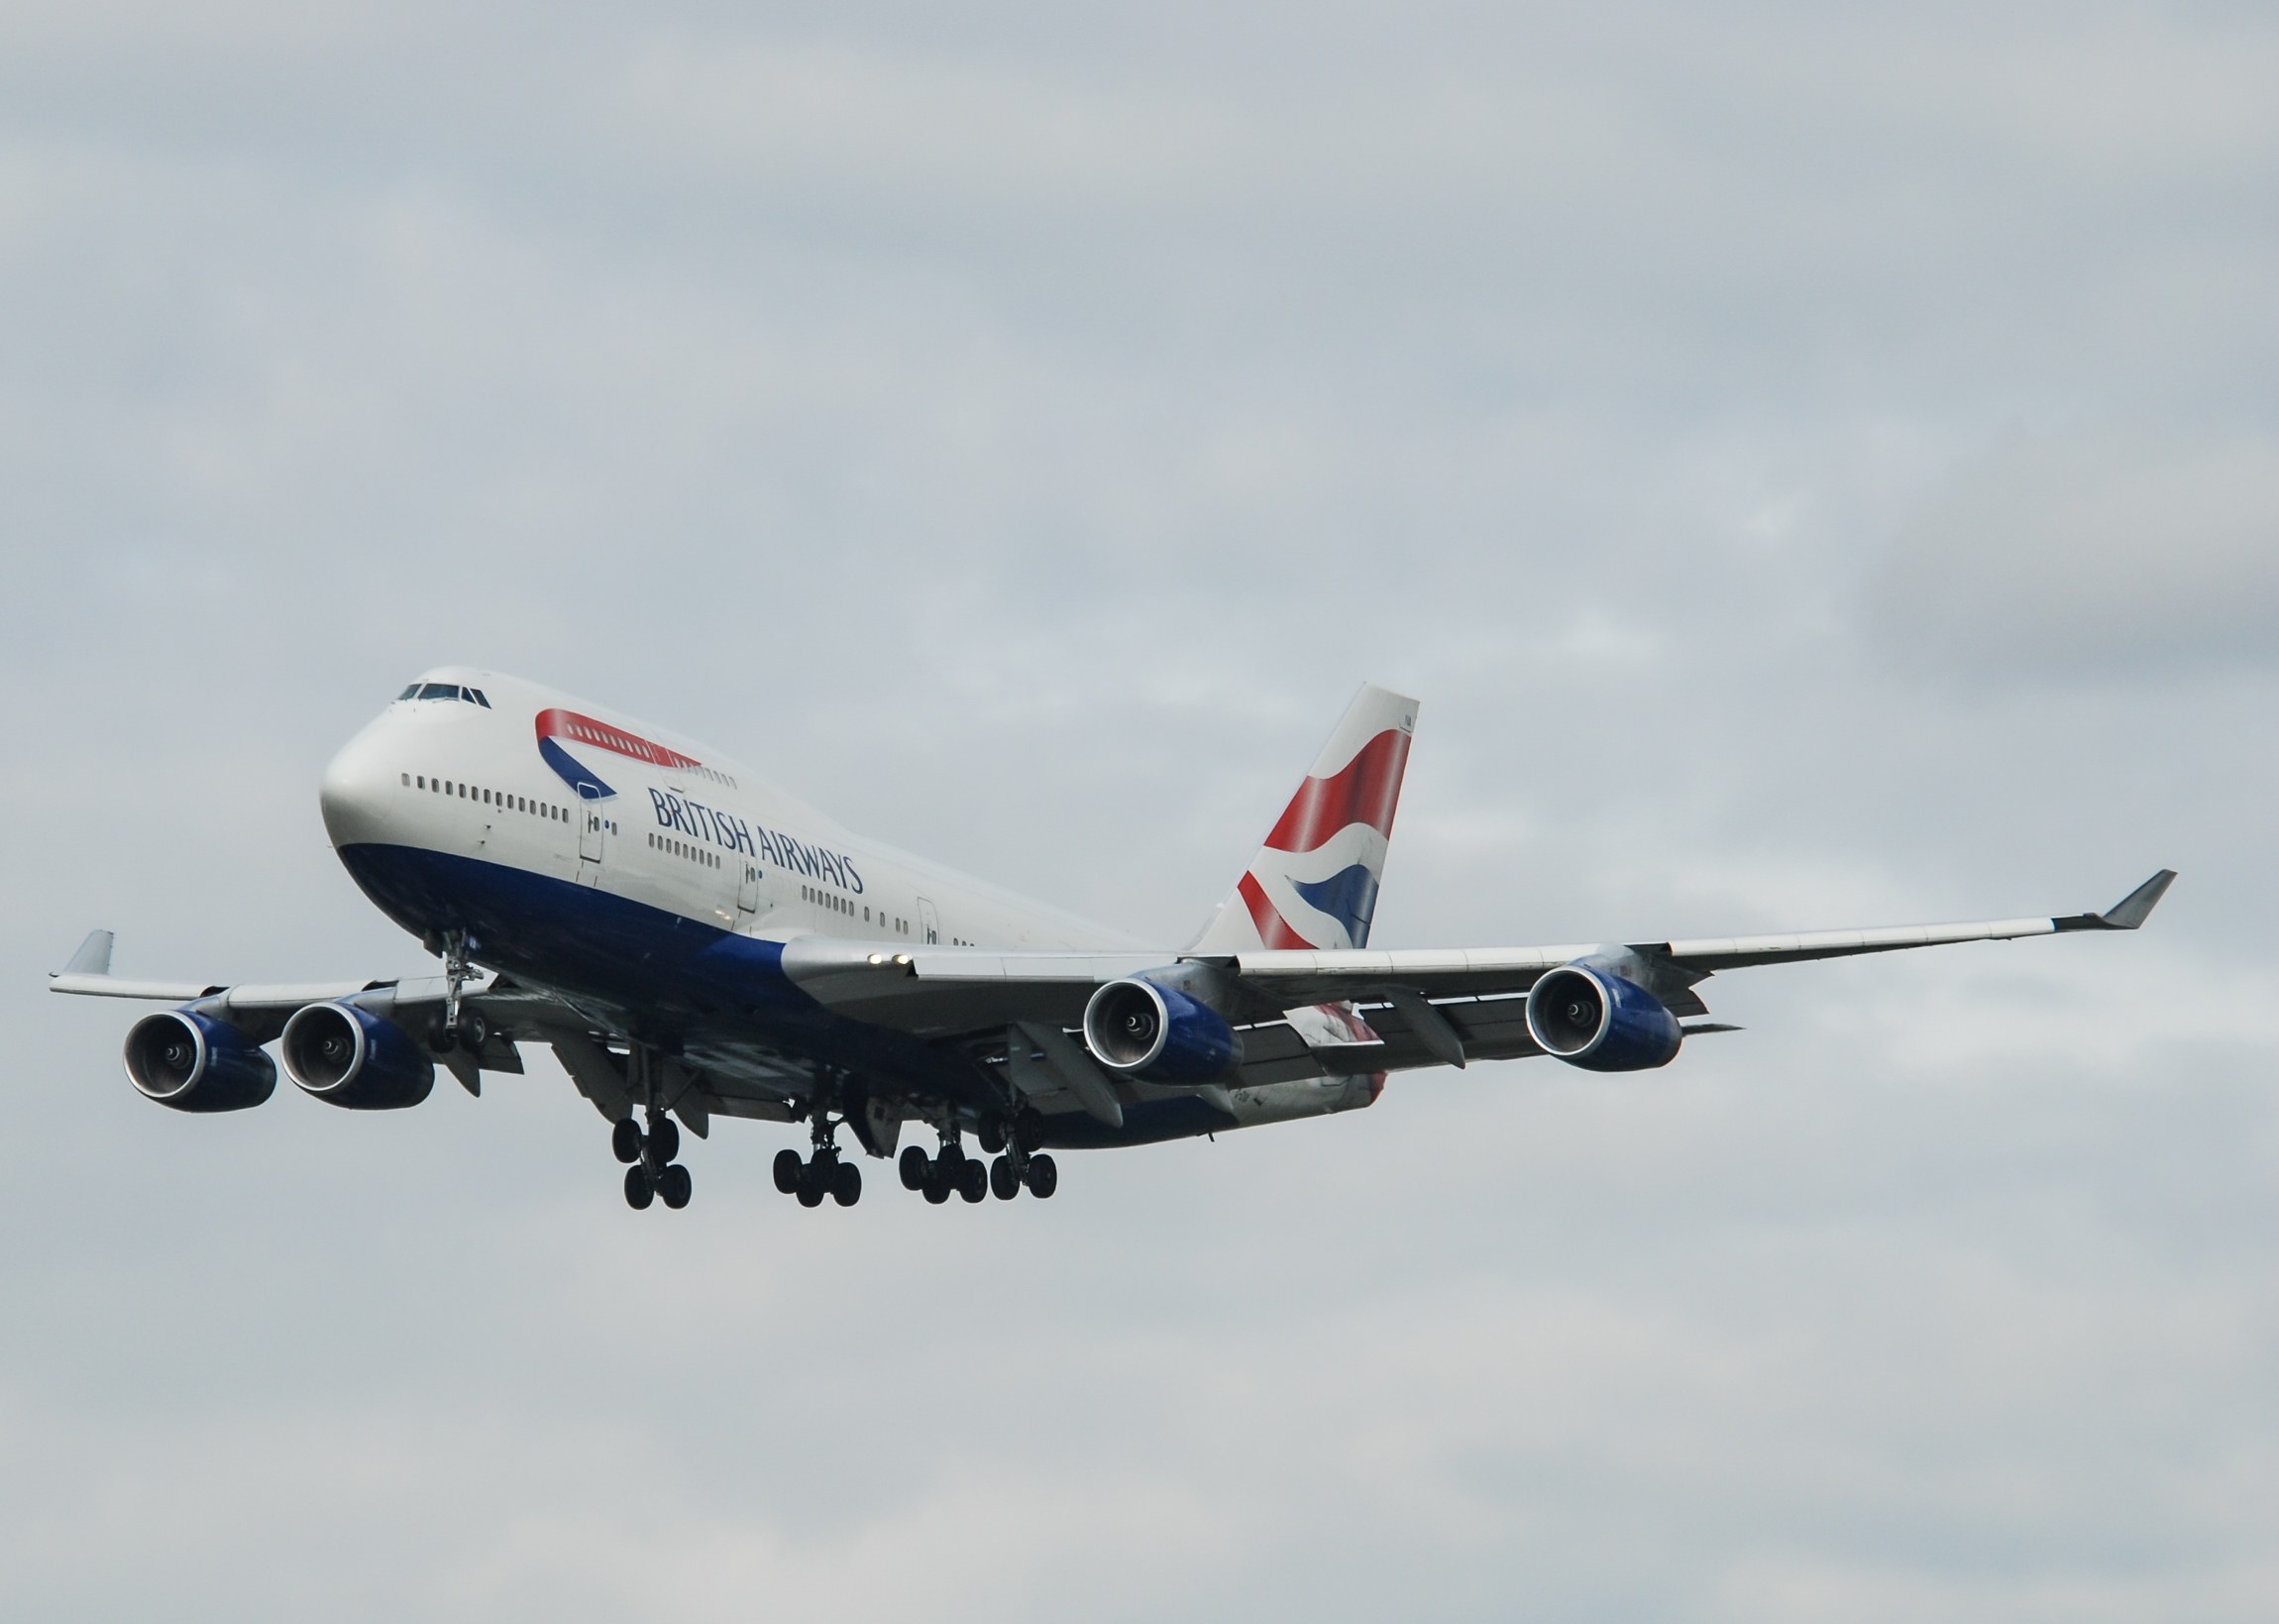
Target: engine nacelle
[(352, 1058), (1590, 1017), (1157, 1034), (188, 1061)]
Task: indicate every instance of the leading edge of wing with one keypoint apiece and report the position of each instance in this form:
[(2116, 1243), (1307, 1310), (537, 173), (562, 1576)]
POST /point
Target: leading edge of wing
[(1300, 975)]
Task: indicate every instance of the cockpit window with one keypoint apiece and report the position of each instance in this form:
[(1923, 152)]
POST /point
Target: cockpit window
[(445, 691)]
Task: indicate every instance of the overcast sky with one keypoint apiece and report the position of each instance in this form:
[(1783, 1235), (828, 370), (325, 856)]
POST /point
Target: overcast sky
[(1818, 466)]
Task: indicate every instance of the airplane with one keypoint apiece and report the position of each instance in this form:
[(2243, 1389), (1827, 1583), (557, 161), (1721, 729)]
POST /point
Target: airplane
[(693, 944)]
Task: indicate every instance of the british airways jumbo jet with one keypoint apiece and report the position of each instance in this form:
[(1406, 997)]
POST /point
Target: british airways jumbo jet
[(693, 943)]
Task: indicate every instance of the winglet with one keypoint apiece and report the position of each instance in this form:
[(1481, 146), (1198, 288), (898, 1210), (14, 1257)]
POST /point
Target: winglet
[(2128, 912), (94, 957)]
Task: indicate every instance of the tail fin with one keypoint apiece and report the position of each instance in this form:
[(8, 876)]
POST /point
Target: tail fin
[(1314, 883)]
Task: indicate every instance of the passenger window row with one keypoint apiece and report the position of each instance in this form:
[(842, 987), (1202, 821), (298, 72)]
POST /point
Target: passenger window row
[(488, 798), (681, 848)]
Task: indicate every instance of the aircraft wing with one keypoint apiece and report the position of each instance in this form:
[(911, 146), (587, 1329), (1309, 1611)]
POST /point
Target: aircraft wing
[(1428, 1006), (1308, 976)]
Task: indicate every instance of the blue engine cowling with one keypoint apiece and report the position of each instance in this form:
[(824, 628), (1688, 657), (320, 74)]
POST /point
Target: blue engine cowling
[(188, 1061), (1590, 1017), (1159, 1033), (352, 1058)]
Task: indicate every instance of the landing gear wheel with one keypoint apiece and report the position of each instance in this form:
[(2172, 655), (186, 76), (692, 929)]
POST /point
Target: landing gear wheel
[(664, 1136), (1004, 1182), (440, 1037), (639, 1192), (625, 1141), (813, 1185), (674, 1186), (1028, 1127), (973, 1180), (474, 1031), (846, 1184), (1044, 1179), (991, 1133), (936, 1185), (912, 1166), (788, 1165)]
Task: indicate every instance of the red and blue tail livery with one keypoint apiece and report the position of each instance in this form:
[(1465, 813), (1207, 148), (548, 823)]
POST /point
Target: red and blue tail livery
[(1314, 883)]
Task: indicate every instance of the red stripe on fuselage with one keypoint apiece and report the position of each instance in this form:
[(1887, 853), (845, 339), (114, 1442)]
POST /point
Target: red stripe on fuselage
[(1365, 791), (1274, 930), (569, 725)]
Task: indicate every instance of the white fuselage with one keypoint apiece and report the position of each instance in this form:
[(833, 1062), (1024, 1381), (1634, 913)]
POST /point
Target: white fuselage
[(681, 828)]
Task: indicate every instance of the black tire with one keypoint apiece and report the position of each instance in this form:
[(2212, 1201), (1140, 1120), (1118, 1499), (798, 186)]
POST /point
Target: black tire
[(788, 1165), (664, 1136), (952, 1158), (474, 1031), (439, 1037), (846, 1184), (674, 1186), (991, 1133), (1028, 1127), (1004, 1182), (1044, 1177), (639, 1192), (814, 1184), (625, 1141), (937, 1188), (912, 1168), (973, 1180)]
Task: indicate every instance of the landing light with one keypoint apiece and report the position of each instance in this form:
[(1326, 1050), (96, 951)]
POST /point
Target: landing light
[(902, 958), (878, 958)]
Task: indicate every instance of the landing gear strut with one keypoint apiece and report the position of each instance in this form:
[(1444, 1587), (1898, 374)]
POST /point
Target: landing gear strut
[(950, 1171), (823, 1173), (455, 1028), (653, 1172)]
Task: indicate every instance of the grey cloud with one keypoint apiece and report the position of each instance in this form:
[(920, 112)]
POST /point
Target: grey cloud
[(2091, 551), (1018, 430)]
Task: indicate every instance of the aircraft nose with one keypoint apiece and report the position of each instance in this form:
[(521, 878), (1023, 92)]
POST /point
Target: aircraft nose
[(355, 790)]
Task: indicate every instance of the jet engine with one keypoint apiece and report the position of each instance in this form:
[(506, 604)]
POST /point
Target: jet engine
[(352, 1058), (188, 1061), (1590, 1017), (1157, 1034)]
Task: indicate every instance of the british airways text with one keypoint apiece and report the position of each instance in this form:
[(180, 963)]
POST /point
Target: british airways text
[(702, 823)]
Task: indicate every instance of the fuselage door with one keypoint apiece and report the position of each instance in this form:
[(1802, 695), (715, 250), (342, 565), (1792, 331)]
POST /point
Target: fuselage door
[(747, 892), (929, 923), (592, 827)]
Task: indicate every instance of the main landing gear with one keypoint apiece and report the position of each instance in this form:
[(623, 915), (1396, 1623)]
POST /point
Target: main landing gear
[(653, 1171), (823, 1173), (952, 1172)]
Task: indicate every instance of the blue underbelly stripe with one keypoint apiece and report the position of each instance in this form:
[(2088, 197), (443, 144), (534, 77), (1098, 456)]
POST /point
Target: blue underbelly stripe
[(559, 933)]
